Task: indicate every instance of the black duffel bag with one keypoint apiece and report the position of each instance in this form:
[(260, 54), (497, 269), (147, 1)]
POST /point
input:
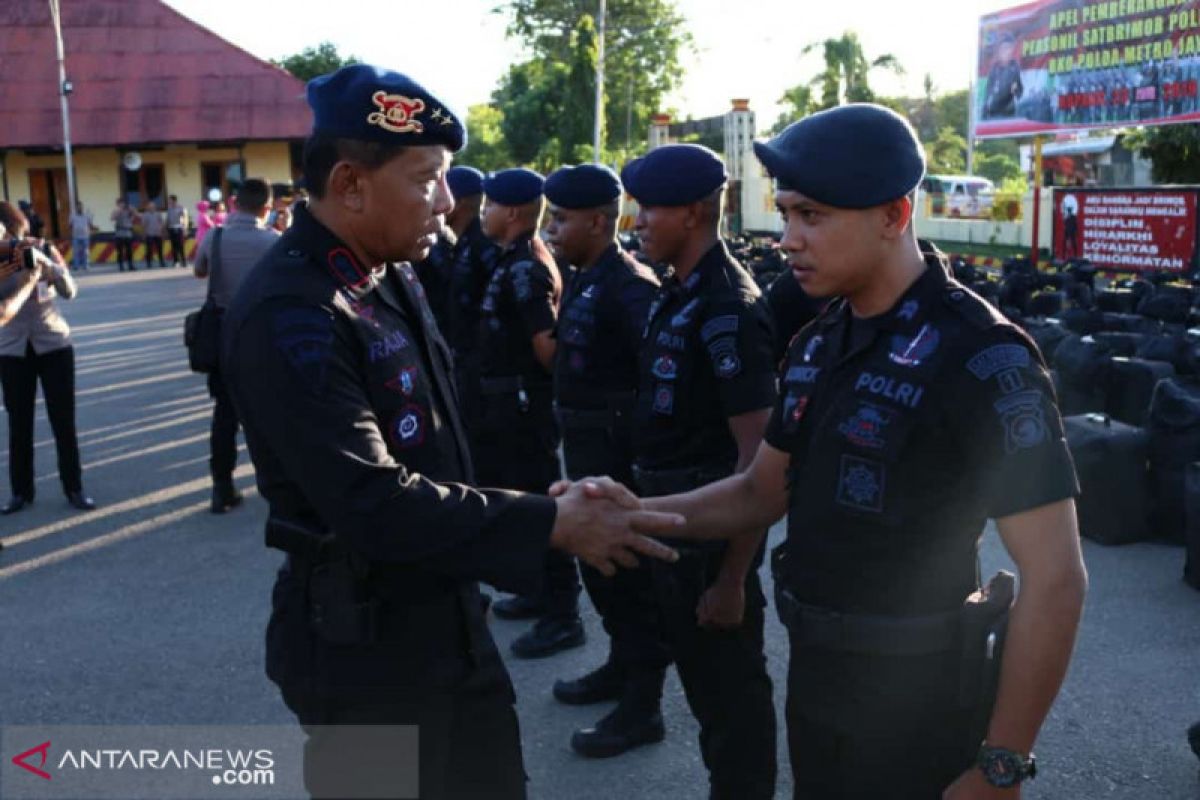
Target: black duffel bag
[(1110, 460), (1046, 334), (1121, 343), (1168, 304), (1129, 323), (1174, 429), (1081, 365), (1131, 384), (1191, 506), (1083, 320), (1174, 349), (202, 329), (1115, 300)]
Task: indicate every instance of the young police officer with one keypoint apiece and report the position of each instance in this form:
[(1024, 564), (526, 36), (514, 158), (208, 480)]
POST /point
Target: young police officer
[(706, 384), (345, 390), (516, 437), (595, 381), (910, 413)]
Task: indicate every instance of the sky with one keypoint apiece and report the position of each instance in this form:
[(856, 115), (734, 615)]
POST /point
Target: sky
[(742, 48)]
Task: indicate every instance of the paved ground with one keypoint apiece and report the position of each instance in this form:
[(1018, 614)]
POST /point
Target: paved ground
[(151, 610)]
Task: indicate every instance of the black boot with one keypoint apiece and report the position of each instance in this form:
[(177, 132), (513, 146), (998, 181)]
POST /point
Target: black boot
[(549, 636), (518, 607), (637, 720), (606, 682), (225, 496), (18, 502), (1194, 738)]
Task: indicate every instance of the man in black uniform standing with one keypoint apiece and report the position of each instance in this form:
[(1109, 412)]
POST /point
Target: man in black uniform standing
[(474, 259), (516, 437), (344, 389), (910, 412), (595, 381), (706, 384)]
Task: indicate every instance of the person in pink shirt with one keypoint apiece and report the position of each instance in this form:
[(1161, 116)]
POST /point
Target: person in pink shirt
[(219, 214), (204, 221)]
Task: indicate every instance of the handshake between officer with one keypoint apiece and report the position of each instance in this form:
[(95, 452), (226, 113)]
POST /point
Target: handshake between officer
[(607, 534)]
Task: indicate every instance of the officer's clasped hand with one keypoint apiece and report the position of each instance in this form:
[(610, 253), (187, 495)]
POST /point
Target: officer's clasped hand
[(602, 523)]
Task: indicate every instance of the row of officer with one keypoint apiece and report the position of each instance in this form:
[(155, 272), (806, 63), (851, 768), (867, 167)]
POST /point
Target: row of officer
[(345, 389), (909, 413)]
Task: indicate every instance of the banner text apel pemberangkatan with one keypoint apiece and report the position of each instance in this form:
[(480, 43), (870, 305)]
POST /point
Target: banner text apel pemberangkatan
[(1057, 65)]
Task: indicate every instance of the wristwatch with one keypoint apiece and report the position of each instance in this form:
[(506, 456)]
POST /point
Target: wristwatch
[(1004, 768)]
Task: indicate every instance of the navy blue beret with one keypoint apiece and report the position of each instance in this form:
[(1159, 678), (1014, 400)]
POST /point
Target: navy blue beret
[(584, 186), (854, 156), (464, 181), (371, 104), (513, 187), (674, 175)]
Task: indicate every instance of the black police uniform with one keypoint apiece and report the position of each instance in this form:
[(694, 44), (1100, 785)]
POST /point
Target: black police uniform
[(791, 309), (344, 387), (595, 377), (517, 438), (436, 274), (706, 357), (1001, 95), (474, 259), (906, 432)]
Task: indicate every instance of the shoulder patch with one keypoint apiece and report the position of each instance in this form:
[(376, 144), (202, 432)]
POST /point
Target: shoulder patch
[(725, 359), (996, 359), (717, 326), (303, 337)]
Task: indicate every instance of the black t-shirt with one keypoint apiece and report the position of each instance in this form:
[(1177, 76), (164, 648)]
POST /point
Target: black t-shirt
[(707, 355), (791, 309), (474, 259), (600, 331), (904, 439), (520, 302)]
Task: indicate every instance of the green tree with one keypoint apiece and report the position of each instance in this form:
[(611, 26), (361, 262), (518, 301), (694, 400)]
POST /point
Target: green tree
[(575, 127), (997, 167), (643, 40), (947, 154), (797, 103), (487, 148), (530, 98), (845, 78), (313, 61), (1173, 152)]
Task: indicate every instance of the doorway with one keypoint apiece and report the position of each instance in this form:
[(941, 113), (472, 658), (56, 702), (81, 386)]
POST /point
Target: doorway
[(50, 199)]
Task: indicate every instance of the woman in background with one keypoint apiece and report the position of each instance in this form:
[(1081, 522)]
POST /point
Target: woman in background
[(35, 345)]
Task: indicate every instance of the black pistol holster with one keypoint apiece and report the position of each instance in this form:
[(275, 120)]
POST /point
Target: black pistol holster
[(984, 630), (341, 607)]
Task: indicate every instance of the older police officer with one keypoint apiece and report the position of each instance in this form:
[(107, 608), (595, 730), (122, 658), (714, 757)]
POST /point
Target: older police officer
[(346, 392), (910, 413), (595, 381)]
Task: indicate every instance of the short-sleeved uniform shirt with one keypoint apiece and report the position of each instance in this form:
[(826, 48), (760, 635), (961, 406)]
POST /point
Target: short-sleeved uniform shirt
[(600, 331), (521, 301), (706, 356), (907, 431)]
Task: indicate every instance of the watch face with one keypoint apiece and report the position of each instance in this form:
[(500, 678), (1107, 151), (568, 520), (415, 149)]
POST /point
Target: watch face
[(1002, 769)]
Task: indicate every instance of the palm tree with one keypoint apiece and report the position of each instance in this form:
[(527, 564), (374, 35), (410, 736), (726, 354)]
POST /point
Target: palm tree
[(844, 79)]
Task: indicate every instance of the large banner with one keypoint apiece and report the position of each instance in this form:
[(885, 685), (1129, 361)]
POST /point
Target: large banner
[(1127, 230), (1056, 65)]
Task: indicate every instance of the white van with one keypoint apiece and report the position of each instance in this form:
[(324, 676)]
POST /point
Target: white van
[(959, 195)]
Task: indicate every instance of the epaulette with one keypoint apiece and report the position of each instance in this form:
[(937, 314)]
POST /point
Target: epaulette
[(971, 307)]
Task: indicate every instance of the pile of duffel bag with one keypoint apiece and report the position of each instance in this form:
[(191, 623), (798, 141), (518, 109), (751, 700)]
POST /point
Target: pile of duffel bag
[(1126, 366)]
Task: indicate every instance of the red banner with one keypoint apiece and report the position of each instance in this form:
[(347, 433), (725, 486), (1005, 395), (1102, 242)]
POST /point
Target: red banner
[(1056, 65), (1127, 230)]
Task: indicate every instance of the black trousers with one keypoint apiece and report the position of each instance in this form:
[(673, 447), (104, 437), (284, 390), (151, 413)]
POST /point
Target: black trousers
[(626, 601), (124, 251), (862, 726), (724, 676), (222, 440), (516, 449), (154, 245), (20, 376), (178, 254), (469, 744)]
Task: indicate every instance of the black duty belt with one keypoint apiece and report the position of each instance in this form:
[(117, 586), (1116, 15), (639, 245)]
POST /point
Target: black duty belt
[(674, 481), (868, 634), (511, 384), (619, 408), (306, 541)]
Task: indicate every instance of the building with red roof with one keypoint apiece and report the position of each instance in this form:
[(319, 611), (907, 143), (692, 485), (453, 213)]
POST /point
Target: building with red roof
[(159, 105)]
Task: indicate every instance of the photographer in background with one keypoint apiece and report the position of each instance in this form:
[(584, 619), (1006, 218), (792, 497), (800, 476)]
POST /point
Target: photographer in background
[(35, 345)]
